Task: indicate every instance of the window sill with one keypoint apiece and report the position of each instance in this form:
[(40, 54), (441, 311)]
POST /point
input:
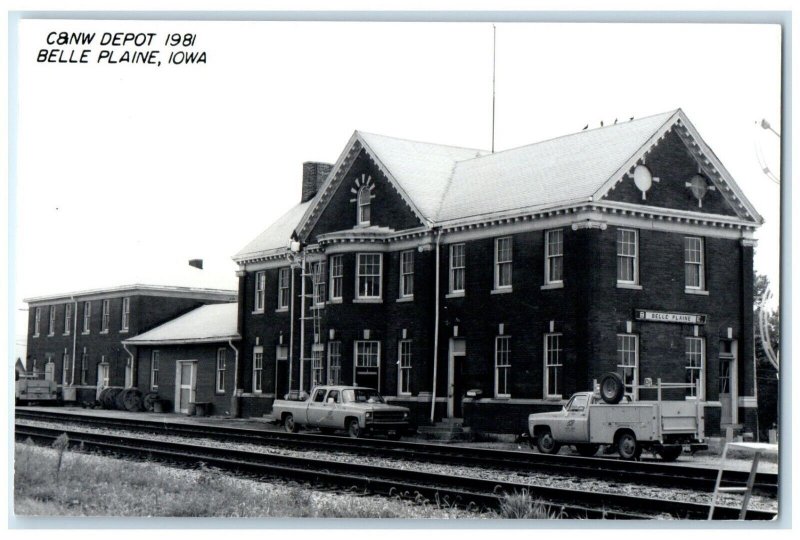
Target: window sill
[(335, 301), (35, 335), (318, 306), (550, 286), (257, 312), (404, 394), (405, 299), (502, 396), (85, 333), (457, 294), (50, 335), (368, 300), (553, 398), (504, 290), (632, 286), (66, 334), (699, 292), (282, 310), (104, 331), (125, 331)]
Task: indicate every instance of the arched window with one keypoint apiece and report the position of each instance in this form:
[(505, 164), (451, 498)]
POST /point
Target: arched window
[(364, 197)]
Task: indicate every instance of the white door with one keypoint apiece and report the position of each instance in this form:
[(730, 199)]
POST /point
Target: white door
[(727, 383), (102, 378), (185, 380), (457, 352), (128, 374)]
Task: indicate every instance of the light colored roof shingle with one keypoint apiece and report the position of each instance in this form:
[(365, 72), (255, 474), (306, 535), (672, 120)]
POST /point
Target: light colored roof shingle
[(277, 235), (209, 323)]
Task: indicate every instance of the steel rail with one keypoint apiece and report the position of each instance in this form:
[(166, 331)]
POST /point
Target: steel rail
[(461, 491), (643, 473)]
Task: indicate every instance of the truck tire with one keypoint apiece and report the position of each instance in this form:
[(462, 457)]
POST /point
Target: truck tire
[(353, 429), (670, 452), (546, 443), (628, 447), (612, 388), (587, 450), (289, 424)]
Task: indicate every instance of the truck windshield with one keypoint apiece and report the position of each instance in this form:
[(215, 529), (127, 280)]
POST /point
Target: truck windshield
[(362, 395)]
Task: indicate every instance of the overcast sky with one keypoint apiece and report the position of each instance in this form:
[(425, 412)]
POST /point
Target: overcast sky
[(124, 172)]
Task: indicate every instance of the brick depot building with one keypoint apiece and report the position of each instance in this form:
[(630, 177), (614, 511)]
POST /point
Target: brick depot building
[(427, 271), (76, 338)]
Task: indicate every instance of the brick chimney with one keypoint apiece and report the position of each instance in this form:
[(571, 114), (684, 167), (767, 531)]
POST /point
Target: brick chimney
[(314, 174)]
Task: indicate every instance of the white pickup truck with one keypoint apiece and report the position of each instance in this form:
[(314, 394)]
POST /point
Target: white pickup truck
[(357, 410), (591, 419)]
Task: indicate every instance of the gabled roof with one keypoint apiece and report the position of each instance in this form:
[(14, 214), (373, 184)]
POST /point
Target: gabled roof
[(276, 236), (207, 324)]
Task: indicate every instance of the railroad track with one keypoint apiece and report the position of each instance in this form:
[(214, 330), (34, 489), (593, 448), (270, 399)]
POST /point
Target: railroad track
[(392, 481), (641, 473)]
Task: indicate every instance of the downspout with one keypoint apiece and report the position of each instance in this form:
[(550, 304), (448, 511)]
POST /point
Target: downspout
[(74, 337), (302, 320), (291, 336), (133, 361), (235, 367), (436, 328)]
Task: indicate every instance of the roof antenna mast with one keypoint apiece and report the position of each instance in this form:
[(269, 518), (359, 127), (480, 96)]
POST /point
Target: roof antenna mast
[(494, 61)]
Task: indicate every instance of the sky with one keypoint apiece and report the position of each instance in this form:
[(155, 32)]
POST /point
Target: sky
[(124, 172)]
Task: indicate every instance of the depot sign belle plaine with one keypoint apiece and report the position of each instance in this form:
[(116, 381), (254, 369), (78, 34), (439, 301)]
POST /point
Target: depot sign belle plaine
[(669, 317)]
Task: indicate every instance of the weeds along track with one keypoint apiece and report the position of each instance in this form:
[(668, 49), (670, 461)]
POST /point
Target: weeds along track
[(606, 469), (461, 491)]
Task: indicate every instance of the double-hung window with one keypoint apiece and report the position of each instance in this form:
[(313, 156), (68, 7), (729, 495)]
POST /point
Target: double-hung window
[(367, 364), (695, 367), (126, 314), (553, 366), (368, 276), (457, 268), (336, 273), (154, 361), (627, 257), (502, 263), (261, 284), (37, 321), (554, 257), (693, 262), (51, 325), (87, 317), (334, 362), (407, 274), (85, 367), (502, 366), (66, 369), (404, 367), (319, 275), (317, 366), (222, 361), (67, 319), (364, 202), (258, 369), (284, 277), (105, 316), (628, 362)]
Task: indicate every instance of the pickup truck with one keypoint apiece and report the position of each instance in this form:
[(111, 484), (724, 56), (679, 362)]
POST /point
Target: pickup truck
[(355, 409), (591, 419)]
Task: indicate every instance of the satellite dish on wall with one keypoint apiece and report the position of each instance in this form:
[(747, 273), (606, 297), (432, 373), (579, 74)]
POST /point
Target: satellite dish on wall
[(643, 179)]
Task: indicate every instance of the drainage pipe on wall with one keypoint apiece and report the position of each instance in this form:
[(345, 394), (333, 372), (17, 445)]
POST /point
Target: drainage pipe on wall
[(74, 337), (133, 364), (436, 328)]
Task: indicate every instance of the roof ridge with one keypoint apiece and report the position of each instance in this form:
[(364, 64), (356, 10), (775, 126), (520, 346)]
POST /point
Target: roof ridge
[(422, 142)]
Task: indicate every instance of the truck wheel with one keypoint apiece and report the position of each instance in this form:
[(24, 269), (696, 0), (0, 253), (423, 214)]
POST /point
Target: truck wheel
[(612, 388), (628, 447), (546, 443), (353, 429), (289, 424), (670, 452), (587, 450)]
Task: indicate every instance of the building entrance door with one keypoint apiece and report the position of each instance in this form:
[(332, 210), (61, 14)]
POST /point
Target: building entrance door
[(727, 383), (455, 390), (102, 377), (185, 380)]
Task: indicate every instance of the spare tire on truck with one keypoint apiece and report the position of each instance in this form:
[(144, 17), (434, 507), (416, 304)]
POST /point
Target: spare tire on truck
[(612, 388)]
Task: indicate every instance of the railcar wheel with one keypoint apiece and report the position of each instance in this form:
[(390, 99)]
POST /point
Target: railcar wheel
[(289, 424), (353, 429), (587, 450), (628, 447), (670, 452), (546, 443), (612, 388)]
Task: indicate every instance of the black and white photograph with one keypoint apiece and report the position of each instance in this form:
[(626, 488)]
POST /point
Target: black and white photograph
[(444, 269)]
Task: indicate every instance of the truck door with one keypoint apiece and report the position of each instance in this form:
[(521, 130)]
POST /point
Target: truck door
[(316, 407), (576, 424)]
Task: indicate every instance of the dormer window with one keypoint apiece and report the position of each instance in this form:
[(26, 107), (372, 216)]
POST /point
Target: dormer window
[(364, 197)]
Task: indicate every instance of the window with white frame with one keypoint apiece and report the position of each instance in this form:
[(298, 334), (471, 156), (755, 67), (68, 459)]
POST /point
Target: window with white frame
[(502, 263), (406, 274), (457, 268), (317, 367), (628, 362), (105, 316), (364, 203), (368, 275), (126, 314), (154, 366), (85, 367), (222, 361), (261, 283), (284, 279), (367, 363), (404, 367), (87, 317), (66, 368), (627, 256), (67, 319), (693, 262), (502, 366), (553, 366), (695, 366), (51, 324), (334, 362), (319, 275), (258, 369), (37, 321), (554, 256), (336, 273), (104, 374)]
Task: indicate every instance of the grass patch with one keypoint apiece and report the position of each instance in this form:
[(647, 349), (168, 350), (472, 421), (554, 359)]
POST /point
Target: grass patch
[(523, 506)]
